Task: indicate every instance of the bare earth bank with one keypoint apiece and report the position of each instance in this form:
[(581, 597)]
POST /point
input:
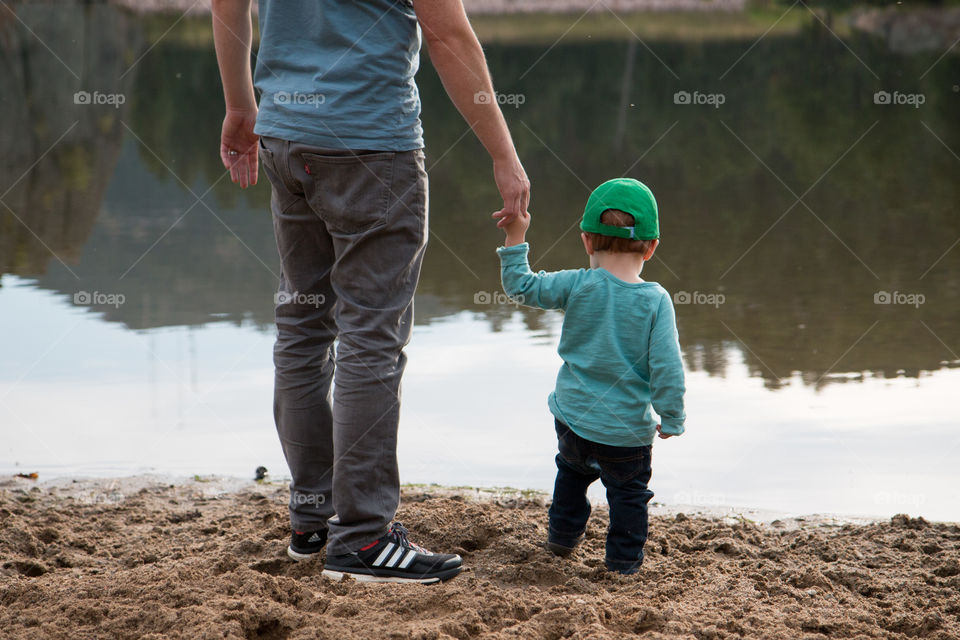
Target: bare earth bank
[(182, 561)]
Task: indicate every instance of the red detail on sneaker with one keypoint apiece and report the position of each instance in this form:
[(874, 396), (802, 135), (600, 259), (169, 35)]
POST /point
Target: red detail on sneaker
[(299, 533), (307, 168), (370, 546)]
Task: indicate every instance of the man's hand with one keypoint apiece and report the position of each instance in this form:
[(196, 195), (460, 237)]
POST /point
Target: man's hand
[(514, 226), (239, 146), (662, 435), (232, 35), (514, 188)]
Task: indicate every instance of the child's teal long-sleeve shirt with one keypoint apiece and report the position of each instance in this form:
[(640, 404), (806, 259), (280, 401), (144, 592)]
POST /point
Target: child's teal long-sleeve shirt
[(621, 354)]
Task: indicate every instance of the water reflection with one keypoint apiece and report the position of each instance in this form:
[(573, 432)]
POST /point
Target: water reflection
[(797, 200)]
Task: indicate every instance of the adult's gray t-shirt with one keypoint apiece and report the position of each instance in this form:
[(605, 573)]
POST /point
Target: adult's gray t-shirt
[(339, 74)]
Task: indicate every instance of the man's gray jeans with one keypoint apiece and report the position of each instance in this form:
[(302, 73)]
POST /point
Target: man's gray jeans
[(351, 228)]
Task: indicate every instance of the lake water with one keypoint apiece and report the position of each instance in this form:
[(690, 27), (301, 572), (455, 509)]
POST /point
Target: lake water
[(810, 234)]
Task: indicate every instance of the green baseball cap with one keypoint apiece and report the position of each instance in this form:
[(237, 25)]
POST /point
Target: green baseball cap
[(627, 195)]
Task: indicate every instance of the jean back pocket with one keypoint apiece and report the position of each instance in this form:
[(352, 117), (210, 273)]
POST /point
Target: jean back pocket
[(351, 191)]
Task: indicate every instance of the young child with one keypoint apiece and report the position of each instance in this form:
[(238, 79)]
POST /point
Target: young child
[(621, 358)]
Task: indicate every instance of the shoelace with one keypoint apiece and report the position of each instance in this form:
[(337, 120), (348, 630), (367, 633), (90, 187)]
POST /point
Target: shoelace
[(400, 533)]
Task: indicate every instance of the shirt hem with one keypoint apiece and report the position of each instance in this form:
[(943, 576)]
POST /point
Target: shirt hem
[(589, 434), (337, 141)]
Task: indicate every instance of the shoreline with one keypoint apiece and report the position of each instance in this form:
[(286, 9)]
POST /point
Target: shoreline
[(115, 490)]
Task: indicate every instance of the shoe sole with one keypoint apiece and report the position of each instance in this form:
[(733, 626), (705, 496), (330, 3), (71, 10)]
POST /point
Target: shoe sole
[(443, 576), (300, 557)]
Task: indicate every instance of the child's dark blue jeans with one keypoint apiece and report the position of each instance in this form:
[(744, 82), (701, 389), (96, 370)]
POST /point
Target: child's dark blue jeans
[(625, 472)]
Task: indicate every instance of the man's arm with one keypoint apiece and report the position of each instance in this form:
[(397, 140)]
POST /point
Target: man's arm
[(458, 58), (232, 36)]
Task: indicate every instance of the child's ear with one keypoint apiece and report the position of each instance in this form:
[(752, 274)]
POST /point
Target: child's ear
[(653, 247), (586, 243)]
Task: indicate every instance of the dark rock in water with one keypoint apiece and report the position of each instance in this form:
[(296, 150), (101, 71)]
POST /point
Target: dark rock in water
[(260, 473)]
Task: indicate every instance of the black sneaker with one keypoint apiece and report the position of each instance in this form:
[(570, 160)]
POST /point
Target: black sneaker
[(393, 558), (559, 549), (306, 544), (562, 546)]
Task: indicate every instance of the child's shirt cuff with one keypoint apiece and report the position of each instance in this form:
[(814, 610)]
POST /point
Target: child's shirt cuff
[(515, 255)]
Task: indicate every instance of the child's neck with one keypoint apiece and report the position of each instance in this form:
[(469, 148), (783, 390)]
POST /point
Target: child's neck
[(624, 266)]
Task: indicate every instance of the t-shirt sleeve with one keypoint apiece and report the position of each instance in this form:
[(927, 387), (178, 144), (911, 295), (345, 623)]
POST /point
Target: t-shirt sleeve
[(543, 290), (666, 369)]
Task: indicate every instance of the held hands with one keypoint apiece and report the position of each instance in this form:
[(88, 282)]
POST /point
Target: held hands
[(238, 146), (514, 226), (662, 435), (514, 187)]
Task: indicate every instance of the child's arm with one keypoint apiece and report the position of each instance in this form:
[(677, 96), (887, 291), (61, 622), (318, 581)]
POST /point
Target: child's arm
[(666, 371), (543, 290)]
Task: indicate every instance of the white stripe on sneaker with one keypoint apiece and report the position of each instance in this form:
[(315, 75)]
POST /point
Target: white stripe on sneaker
[(408, 559), (383, 554), (395, 557)]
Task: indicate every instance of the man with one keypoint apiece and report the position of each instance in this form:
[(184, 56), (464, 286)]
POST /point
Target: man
[(338, 132)]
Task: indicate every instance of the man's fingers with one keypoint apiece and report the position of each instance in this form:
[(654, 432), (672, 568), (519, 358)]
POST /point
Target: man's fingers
[(504, 217), (229, 161), (524, 200), (254, 168), (242, 160)]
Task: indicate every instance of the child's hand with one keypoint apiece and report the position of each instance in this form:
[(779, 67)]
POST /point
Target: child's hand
[(515, 226), (662, 435)]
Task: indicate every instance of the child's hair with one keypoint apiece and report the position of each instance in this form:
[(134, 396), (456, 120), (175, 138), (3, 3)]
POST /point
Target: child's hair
[(614, 244)]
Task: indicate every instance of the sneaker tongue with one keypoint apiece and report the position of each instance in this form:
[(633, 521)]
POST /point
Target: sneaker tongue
[(400, 534)]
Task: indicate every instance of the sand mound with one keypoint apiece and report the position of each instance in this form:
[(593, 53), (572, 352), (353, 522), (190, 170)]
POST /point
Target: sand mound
[(170, 562)]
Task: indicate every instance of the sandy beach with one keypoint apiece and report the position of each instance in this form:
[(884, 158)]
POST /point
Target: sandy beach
[(140, 558)]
